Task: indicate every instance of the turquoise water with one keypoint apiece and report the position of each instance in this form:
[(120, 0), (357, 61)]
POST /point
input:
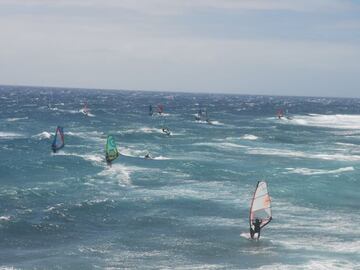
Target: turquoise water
[(188, 206)]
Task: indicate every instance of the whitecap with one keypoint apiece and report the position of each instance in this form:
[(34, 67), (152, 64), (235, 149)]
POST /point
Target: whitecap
[(42, 135), (120, 172), (307, 171), (249, 137), (16, 119), (337, 121), (5, 218), (300, 154), (222, 145), (10, 135)]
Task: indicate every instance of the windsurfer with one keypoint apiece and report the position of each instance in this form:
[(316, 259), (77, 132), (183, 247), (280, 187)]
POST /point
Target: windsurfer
[(166, 130), (108, 161), (257, 227)]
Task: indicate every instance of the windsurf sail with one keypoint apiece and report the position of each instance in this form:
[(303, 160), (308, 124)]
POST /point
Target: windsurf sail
[(260, 205), (280, 113), (58, 142), (151, 112), (160, 108), (111, 151), (202, 115), (85, 110)]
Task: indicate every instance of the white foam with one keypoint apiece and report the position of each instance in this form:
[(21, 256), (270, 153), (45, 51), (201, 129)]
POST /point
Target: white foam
[(249, 137), (10, 135), (94, 158), (120, 172), (7, 268), (299, 154), (16, 119), (88, 135), (147, 130), (161, 158), (320, 264), (222, 145), (42, 135), (316, 229), (5, 218), (133, 152), (307, 171), (339, 121), (217, 123)]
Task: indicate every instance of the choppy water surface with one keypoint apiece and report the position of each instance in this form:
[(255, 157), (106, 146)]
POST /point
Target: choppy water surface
[(186, 208)]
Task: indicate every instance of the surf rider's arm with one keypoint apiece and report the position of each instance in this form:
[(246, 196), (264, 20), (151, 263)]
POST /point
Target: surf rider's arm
[(266, 223)]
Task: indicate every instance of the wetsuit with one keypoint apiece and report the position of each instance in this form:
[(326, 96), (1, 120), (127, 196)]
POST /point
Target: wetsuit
[(257, 228), (107, 160)]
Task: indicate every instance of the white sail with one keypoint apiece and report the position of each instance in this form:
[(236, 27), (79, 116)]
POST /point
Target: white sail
[(261, 205)]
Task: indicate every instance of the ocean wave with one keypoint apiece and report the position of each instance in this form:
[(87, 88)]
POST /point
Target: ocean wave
[(96, 136), (249, 137), (307, 171), (216, 123), (16, 119), (119, 172), (222, 145), (337, 121), (300, 154), (42, 135), (94, 158), (147, 130), (10, 135), (161, 158), (133, 152), (5, 218), (320, 264)]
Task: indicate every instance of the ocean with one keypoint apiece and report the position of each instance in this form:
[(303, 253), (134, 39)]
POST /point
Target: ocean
[(188, 206)]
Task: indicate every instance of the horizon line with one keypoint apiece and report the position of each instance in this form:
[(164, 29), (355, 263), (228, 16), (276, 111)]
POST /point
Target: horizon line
[(172, 92)]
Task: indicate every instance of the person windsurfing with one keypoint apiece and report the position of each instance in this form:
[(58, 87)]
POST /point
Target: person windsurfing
[(147, 156), (260, 210), (111, 152), (166, 131), (280, 113), (58, 141), (198, 115), (160, 109)]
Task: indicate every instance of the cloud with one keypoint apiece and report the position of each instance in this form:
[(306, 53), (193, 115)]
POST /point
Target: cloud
[(142, 44)]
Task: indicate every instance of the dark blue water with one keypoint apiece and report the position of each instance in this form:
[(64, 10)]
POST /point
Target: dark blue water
[(188, 206)]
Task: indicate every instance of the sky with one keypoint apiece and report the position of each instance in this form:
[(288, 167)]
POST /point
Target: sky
[(268, 47)]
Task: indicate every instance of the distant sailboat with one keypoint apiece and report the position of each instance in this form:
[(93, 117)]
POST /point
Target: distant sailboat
[(260, 209), (59, 141), (111, 152)]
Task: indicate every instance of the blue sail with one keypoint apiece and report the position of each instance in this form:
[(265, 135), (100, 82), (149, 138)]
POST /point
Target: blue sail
[(58, 142)]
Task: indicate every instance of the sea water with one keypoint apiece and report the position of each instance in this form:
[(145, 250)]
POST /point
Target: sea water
[(188, 206)]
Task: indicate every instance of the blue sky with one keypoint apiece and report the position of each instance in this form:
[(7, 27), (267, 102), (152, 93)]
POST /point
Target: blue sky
[(274, 47)]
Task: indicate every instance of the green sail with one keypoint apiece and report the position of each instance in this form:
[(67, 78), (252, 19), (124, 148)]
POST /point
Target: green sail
[(110, 149)]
